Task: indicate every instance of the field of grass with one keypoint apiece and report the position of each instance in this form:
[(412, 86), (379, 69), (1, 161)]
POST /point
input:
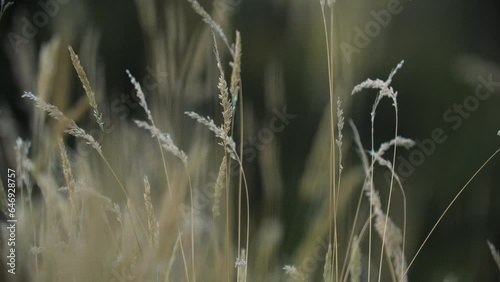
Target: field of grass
[(192, 174)]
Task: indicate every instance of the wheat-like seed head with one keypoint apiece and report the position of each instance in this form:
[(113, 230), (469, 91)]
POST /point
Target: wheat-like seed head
[(86, 86), (142, 98), (68, 175), (327, 270), (224, 93), (219, 187), (152, 222), (235, 75)]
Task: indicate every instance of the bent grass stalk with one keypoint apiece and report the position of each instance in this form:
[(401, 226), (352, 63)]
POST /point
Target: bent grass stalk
[(332, 196)]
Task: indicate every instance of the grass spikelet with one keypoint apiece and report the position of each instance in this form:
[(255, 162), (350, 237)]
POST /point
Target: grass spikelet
[(387, 229), (219, 133), (68, 176), (219, 186), (153, 224), (142, 98), (235, 75), (355, 261), (211, 23), (327, 271), (69, 124), (495, 254), (166, 141), (86, 86), (227, 112)]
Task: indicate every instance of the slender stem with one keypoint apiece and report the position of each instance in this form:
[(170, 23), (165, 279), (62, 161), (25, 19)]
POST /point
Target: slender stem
[(192, 223), (186, 271), (390, 194), (446, 210)]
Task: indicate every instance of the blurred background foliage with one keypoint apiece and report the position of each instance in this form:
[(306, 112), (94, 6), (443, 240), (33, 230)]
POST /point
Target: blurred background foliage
[(446, 45)]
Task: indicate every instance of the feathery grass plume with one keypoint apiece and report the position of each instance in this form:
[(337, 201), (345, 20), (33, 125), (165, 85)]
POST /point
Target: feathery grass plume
[(86, 86), (69, 124), (210, 22), (219, 186), (293, 274), (495, 254), (236, 73), (396, 142), (142, 99), (385, 90), (4, 6), (68, 176), (355, 261), (384, 86), (327, 270), (219, 133), (166, 141), (152, 222), (383, 224), (227, 112), (387, 229), (338, 141)]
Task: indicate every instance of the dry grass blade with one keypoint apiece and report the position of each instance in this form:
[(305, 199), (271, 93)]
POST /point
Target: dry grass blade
[(86, 86)]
